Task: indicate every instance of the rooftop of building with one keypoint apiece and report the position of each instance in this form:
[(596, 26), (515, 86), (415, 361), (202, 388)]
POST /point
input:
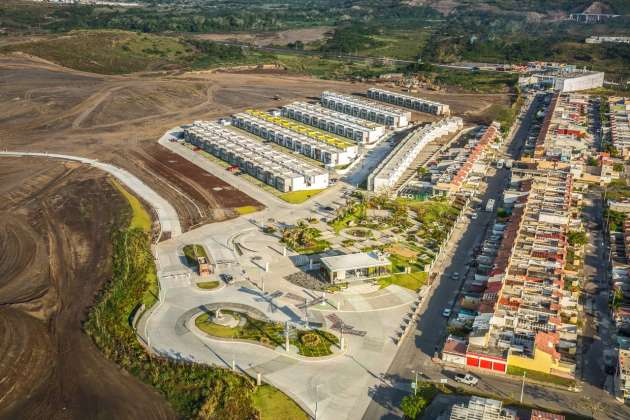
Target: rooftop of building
[(357, 123), (264, 155), (287, 126), (454, 345), (403, 95), (366, 103), (355, 261)]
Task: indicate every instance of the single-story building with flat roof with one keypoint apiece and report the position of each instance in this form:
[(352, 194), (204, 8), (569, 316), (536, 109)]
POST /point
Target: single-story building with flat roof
[(353, 267)]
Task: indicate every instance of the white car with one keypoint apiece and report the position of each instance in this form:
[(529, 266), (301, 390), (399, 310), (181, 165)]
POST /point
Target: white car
[(474, 216), (446, 313), (466, 379)]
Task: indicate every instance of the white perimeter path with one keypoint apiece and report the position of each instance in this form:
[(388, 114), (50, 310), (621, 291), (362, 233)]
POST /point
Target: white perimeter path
[(337, 388), (166, 214)]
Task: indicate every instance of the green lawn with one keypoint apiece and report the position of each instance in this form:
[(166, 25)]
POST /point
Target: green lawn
[(192, 251), (246, 210), (298, 197), (208, 285), (403, 45), (539, 376), (140, 218), (270, 334), (274, 405), (412, 281)]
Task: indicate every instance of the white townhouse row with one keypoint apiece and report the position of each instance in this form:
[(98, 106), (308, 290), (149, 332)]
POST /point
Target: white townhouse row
[(279, 170), (357, 129), (366, 109), (407, 101), (387, 174), (327, 150)]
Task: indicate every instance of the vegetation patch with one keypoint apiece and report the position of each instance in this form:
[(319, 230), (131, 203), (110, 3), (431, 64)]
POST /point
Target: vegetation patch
[(140, 218), (122, 52), (298, 197), (208, 285), (540, 376), (246, 210), (194, 251), (304, 239), (311, 343), (411, 281), (273, 405), (413, 405)]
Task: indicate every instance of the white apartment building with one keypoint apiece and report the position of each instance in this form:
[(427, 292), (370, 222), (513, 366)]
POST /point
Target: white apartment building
[(412, 102), (357, 129), (565, 81), (613, 39), (387, 174), (279, 170), (620, 124), (327, 149), (368, 110)]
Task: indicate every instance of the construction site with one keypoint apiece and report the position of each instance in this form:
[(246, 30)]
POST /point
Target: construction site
[(117, 119)]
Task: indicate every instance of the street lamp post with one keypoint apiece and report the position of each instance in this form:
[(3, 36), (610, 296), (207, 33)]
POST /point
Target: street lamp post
[(415, 383), (316, 398), (523, 386)]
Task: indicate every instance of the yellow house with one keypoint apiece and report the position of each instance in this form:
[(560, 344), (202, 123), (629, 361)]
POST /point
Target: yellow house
[(543, 358)]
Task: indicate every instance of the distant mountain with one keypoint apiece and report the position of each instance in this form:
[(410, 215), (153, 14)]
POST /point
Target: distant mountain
[(545, 7)]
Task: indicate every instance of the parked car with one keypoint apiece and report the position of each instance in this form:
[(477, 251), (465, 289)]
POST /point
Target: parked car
[(466, 379), (446, 313)]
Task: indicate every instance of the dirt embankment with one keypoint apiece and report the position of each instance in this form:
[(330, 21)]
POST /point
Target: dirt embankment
[(55, 254)]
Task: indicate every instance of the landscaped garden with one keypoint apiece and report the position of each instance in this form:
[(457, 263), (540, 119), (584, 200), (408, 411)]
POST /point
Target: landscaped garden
[(208, 285), (304, 239), (415, 232), (192, 252), (310, 343)]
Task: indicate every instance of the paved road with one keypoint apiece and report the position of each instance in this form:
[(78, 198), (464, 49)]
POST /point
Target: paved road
[(416, 351), (166, 214)]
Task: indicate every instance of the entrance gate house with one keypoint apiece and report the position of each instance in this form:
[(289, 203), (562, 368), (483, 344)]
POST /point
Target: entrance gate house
[(354, 267)]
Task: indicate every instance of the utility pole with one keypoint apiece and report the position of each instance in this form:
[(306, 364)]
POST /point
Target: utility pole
[(415, 384), (523, 386)]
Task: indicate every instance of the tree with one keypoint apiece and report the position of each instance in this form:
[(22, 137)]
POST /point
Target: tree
[(577, 238), (413, 405)]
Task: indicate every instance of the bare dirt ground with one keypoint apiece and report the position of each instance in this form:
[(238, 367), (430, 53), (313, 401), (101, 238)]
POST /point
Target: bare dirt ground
[(204, 197), (262, 39), (46, 107), (55, 254)]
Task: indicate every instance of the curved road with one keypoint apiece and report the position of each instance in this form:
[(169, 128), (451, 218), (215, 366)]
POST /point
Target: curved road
[(166, 214)]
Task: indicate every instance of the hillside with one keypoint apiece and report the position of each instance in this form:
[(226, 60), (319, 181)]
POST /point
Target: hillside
[(122, 52)]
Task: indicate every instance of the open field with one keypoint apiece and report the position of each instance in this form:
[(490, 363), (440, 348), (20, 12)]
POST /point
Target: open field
[(57, 220)]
